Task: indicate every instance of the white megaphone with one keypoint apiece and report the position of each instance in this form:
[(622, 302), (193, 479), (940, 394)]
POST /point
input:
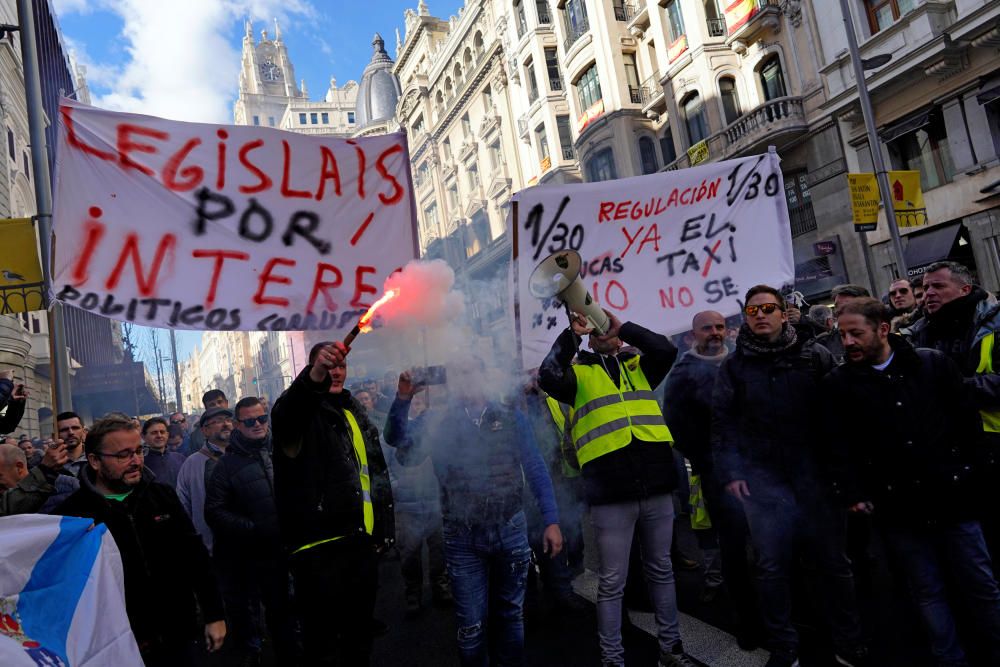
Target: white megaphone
[(559, 276)]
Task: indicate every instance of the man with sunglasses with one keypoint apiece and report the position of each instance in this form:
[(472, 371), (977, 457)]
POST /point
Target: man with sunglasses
[(240, 509), (765, 405), (215, 425), (154, 536)]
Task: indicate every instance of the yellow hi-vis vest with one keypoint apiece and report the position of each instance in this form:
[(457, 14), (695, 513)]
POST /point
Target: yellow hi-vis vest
[(561, 414), (366, 483), (606, 417), (991, 418)]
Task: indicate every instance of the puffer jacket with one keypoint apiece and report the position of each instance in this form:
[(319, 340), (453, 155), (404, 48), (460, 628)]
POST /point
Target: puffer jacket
[(764, 408), (318, 491), (642, 469), (908, 437), (687, 407), (154, 536), (239, 501)]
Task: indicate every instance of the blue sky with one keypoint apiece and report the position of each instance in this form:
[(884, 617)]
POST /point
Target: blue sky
[(180, 59)]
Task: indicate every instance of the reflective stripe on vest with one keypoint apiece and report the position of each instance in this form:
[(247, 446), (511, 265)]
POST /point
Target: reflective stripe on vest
[(991, 418), (561, 414), (366, 480), (606, 418)]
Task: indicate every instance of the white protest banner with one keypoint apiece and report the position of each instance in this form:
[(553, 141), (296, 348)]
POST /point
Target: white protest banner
[(196, 226), (657, 249)]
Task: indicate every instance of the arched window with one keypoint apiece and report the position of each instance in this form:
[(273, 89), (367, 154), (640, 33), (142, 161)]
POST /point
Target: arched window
[(601, 167), (667, 146), (458, 75), (477, 44), (730, 99), (467, 59), (447, 88), (647, 155), (695, 118), (772, 79)]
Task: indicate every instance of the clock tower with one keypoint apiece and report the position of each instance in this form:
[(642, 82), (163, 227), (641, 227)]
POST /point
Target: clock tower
[(267, 80)]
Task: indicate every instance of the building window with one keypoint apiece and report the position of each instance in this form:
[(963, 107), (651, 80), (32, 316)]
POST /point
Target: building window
[(27, 169), (800, 208), (542, 142), (667, 146), (522, 24), (431, 219), (883, 13), (453, 196), (588, 88), (11, 150), (350, 118), (575, 21), (675, 22), (925, 149), (314, 118), (496, 162), (730, 99), (601, 167), (488, 101), (466, 126), (695, 118), (647, 155), (256, 120), (423, 171), (552, 67), (446, 150), (418, 126), (270, 121), (325, 117), (302, 119), (772, 80), (529, 72), (565, 137), (632, 78), (472, 175), (542, 8), (624, 11)]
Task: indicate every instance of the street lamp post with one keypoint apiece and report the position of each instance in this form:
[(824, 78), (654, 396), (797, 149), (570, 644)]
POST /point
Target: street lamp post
[(873, 143)]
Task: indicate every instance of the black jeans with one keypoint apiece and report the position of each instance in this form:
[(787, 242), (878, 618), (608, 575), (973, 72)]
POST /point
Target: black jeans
[(335, 586), (246, 584), (730, 524)]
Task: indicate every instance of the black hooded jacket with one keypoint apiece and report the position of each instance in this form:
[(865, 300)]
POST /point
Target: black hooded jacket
[(318, 491), (168, 573), (904, 438), (642, 469), (239, 501)]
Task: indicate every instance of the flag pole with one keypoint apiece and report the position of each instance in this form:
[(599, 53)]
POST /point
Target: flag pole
[(59, 352)]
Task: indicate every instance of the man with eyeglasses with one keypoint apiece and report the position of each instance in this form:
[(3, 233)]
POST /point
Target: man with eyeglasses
[(215, 425), (154, 535), (248, 552), (765, 405)]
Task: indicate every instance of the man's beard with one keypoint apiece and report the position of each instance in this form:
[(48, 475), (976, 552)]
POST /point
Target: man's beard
[(118, 484)]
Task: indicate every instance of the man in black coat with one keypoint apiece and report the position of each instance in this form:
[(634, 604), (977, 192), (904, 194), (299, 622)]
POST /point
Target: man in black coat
[(765, 404), (334, 505), (155, 536), (906, 456), (247, 547)]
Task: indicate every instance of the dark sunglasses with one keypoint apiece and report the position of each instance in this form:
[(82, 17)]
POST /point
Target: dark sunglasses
[(249, 422), (901, 290), (766, 308)]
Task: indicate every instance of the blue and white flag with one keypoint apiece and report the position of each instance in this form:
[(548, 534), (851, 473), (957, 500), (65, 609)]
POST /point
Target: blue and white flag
[(62, 597)]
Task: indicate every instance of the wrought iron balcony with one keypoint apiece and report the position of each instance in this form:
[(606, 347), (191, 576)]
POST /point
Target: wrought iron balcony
[(716, 27), (573, 34), (625, 11)]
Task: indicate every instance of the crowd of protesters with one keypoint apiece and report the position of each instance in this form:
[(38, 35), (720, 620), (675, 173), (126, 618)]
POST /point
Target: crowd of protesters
[(808, 436)]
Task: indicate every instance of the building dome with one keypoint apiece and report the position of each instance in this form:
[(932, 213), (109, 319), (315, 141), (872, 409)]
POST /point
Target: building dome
[(379, 91)]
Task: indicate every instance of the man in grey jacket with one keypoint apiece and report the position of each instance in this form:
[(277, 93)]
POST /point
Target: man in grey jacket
[(216, 425)]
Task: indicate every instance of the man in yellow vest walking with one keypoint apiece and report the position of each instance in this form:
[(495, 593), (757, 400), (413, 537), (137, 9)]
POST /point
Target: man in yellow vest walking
[(624, 450), (334, 505)]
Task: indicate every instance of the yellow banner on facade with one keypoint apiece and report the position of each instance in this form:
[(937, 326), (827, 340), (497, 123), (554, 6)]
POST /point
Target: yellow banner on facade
[(738, 13), (698, 153), (21, 288), (907, 198), (864, 201)]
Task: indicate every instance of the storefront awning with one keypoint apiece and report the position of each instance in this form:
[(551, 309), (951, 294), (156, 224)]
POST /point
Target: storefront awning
[(905, 126), (925, 248)]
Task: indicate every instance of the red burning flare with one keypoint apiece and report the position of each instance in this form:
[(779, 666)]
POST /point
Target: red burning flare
[(364, 324)]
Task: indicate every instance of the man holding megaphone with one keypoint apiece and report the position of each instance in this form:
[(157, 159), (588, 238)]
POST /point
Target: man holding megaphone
[(624, 449)]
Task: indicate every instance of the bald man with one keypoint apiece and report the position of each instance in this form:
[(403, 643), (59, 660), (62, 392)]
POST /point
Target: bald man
[(687, 408), (39, 489)]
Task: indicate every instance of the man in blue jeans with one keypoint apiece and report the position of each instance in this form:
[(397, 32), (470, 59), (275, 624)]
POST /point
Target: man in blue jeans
[(481, 451), (907, 456)]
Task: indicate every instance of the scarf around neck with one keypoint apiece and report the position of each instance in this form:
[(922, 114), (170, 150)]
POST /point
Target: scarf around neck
[(748, 340)]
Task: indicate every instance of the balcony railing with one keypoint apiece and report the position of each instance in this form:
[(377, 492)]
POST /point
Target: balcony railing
[(544, 18), (638, 95), (568, 153), (651, 86), (625, 11), (716, 27), (763, 119), (555, 83), (802, 219), (573, 34)]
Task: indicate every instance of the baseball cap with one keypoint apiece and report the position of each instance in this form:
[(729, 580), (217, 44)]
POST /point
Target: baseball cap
[(211, 413)]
